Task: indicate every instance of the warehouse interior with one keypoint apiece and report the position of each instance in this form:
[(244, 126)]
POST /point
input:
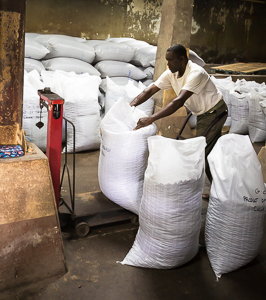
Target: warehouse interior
[(62, 236)]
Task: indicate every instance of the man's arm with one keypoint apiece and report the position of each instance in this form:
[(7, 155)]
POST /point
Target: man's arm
[(145, 95), (169, 109)]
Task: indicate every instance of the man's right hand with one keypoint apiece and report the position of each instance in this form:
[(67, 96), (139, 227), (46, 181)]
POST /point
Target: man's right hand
[(143, 122)]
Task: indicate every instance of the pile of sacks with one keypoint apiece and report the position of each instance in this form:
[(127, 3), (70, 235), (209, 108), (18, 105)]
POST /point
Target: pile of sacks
[(166, 193), (166, 198), (246, 102)]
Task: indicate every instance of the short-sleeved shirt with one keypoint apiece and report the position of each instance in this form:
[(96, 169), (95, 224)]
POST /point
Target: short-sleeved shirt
[(196, 80)]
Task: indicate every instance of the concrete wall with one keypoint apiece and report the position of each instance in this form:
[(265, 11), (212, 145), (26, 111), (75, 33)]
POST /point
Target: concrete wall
[(96, 19), (222, 31)]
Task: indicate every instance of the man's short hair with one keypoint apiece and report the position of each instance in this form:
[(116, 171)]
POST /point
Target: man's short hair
[(179, 50)]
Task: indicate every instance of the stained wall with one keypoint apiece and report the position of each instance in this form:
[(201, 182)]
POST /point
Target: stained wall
[(222, 31)]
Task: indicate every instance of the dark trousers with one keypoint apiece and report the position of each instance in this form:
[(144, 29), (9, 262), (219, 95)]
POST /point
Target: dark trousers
[(203, 122)]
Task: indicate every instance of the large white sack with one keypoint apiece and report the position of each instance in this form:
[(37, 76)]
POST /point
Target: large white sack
[(60, 47), (119, 40), (144, 56), (137, 44), (193, 56), (34, 49), (236, 211), (81, 107), (256, 118), (31, 110), (224, 85), (32, 35), (170, 209), (113, 51), (117, 80), (128, 92), (44, 38), (263, 106), (239, 112), (33, 64), (48, 79), (94, 43), (123, 155), (69, 64), (119, 69)]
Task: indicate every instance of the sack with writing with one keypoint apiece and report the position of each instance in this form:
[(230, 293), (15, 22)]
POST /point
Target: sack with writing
[(237, 206)]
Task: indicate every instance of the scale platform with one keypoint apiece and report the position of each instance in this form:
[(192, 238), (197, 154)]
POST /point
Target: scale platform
[(93, 209)]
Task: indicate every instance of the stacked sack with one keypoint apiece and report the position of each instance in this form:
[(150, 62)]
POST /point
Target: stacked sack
[(245, 101), (80, 92), (34, 52), (31, 110)]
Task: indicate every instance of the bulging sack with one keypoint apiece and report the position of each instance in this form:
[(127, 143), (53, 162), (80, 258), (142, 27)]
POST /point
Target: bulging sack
[(123, 155), (237, 206), (170, 209)]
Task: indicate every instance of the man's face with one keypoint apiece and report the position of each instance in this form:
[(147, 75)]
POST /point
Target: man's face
[(173, 62)]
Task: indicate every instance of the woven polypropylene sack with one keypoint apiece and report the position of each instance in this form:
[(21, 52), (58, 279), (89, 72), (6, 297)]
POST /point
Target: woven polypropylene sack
[(170, 210), (256, 118), (144, 56), (239, 112), (33, 64), (68, 65), (119, 69), (81, 107), (60, 47), (34, 49), (31, 110), (113, 51), (123, 155), (128, 92), (236, 211)]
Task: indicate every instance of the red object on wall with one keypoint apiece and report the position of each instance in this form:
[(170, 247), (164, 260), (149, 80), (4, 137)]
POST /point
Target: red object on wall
[(54, 104)]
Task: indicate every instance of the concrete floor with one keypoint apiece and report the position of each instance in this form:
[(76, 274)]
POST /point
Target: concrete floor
[(93, 271)]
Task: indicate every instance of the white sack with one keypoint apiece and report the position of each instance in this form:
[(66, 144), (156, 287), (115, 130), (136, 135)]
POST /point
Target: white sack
[(34, 49), (94, 43), (147, 82), (81, 108), (193, 56), (117, 80), (235, 216), (68, 65), (31, 110), (170, 209), (137, 44), (33, 64), (113, 51), (256, 118), (123, 155), (48, 79), (119, 69), (144, 56), (119, 40), (224, 85), (239, 112), (128, 92), (263, 106), (44, 38), (60, 47)]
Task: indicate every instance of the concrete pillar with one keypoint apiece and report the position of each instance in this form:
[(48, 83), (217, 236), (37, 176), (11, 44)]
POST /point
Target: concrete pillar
[(175, 28), (12, 20), (31, 247)]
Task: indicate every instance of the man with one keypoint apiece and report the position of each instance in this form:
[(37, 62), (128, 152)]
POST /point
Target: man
[(195, 90)]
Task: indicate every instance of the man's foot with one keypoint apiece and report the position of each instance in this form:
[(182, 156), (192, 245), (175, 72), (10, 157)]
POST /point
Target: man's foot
[(206, 196)]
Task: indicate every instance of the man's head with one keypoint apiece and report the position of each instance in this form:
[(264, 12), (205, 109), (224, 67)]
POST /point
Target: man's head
[(176, 57)]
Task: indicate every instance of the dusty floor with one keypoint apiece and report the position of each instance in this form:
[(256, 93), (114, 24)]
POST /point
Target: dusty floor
[(93, 271)]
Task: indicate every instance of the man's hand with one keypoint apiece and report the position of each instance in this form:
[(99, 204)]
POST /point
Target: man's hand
[(143, 122)]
